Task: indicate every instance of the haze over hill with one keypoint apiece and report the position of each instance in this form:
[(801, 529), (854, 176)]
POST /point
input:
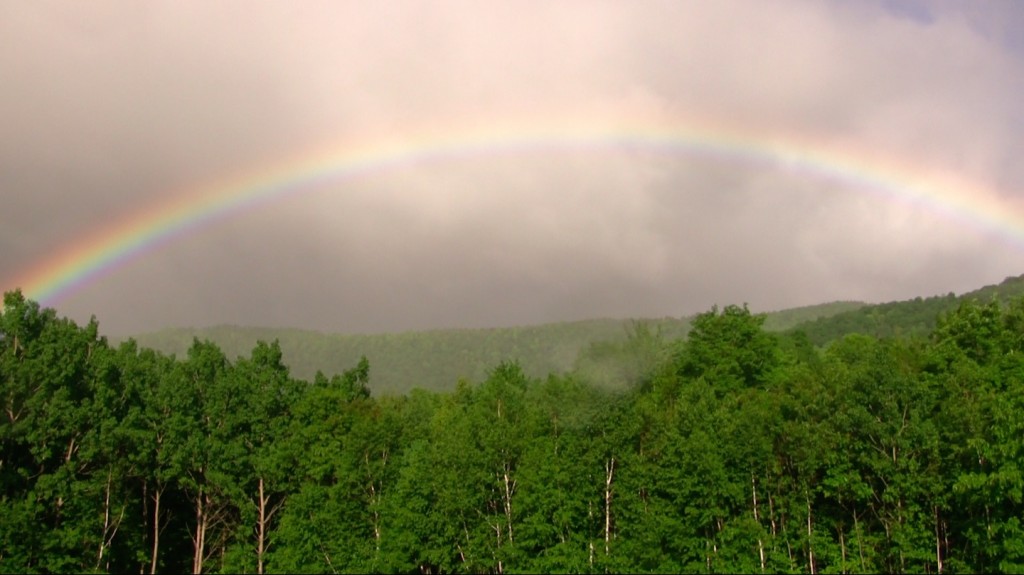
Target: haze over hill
[(366, 167), (599, 350)]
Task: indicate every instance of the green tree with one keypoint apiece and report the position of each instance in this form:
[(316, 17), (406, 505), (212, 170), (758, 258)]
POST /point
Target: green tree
[(342, 448), (260, 422), (62, 442), (729, 349)]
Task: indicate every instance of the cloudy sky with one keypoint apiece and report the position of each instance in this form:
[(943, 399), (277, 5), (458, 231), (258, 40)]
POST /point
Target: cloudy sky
[(111, 108)]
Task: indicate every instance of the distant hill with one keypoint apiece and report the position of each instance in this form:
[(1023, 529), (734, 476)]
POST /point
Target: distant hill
[(437, 359), (434, 359), (916, 317), (792, 317), (602, 349)]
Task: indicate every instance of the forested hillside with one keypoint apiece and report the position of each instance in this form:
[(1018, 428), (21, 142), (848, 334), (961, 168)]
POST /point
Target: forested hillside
[(432, 360), (437, 359), (735, 450), (914, 317), (601, 348)]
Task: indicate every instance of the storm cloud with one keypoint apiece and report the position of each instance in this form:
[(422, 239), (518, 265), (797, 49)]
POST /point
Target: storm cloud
[(107, 108)]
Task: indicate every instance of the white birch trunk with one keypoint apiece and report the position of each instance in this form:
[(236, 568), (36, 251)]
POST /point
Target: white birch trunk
[(156, 530), (757, 519), (261, 528), (609, 468), (110, 525), (199, 539), (810, 544)]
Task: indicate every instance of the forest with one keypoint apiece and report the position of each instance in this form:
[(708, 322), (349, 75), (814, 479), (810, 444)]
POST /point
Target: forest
[(597, 349), (734, 449)]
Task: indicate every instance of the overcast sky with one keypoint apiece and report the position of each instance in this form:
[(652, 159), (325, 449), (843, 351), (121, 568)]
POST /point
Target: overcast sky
[(107, 108)]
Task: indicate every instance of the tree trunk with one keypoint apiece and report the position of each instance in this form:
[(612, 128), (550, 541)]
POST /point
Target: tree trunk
[(860, 543), (156, 530), (810, 544), (590, 517), (609, 468), (509, 486), (110, 524), (199, 539), (757, 519), (842, 548), (261, 528), (375, 494)]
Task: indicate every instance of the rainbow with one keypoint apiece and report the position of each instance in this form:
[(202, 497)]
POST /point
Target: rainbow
[(94, 255)]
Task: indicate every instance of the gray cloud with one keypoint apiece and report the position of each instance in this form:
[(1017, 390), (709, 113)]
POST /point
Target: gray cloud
[(108, 108)]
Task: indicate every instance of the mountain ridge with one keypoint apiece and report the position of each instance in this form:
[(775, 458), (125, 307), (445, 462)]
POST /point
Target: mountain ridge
[(438, 358)]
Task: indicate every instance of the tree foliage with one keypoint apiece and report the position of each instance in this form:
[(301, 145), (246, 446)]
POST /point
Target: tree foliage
[(735, 450)]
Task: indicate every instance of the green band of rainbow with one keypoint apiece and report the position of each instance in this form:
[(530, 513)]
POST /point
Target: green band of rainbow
[(87, 258)]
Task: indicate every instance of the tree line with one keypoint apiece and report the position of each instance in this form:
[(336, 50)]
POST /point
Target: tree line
[(734, 450)]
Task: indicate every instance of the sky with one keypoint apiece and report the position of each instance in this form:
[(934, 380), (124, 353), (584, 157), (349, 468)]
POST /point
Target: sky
[(556, 160)]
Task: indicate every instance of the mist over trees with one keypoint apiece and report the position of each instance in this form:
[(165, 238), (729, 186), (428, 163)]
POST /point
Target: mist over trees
[(733, 450)]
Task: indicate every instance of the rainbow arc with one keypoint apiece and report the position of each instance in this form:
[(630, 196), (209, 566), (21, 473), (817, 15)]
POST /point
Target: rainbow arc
[(117, 243)]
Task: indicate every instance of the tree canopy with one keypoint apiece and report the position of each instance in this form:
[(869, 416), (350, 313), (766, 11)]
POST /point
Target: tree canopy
[(733, 450)]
